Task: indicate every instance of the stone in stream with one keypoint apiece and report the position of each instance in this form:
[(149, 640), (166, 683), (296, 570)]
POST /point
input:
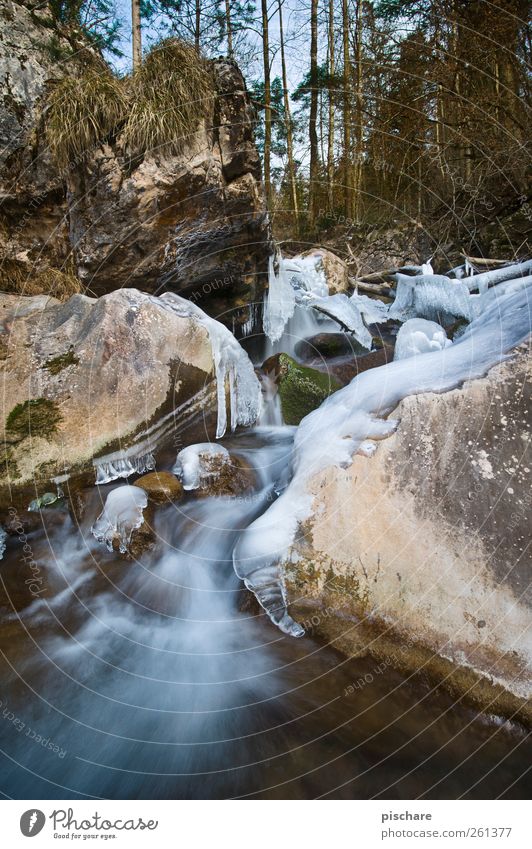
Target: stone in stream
[(301, 389), (161, 487), (328, 345), (209, 470)]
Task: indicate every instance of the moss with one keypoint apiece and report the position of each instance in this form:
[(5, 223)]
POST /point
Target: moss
[(302, 389), (57, 364), (36, 417)]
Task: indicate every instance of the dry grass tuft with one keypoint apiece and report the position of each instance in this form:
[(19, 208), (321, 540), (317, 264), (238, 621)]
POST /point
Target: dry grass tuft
[(171, 92), (51, 281), (82, 112)]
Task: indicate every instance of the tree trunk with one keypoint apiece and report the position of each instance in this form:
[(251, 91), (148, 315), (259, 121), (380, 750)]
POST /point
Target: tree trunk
[(197, 27), (330, 139), (359, 125), (267, 102), (313, 134), (229, 28), (288, 120), (136, 33), (347, 113)]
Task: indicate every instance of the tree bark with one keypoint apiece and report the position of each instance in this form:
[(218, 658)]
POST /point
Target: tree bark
[(136, 33), (288, 120), (347, 112), (313, 134), (330, 138), (267, 102), (229, 28)]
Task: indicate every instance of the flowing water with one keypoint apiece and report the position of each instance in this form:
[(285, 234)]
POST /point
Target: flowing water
[(157, 678), (162, 678)]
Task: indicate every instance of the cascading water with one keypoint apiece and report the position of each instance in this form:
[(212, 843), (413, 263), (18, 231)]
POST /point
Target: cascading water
[(158, 678)]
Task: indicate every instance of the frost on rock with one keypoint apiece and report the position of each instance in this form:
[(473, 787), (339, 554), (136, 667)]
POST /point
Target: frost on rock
[(122, 514), (430, 297), (347, 419), (197, 464), (232, 366), (419, 336)]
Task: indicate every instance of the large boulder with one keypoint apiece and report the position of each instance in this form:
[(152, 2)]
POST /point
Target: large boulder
[(334, 269), (301, 389), (193, 222), (418, 554), (94, 378)]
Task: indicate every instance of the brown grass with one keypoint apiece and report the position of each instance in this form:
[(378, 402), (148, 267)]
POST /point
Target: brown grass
[(50, 281), (171, 92)]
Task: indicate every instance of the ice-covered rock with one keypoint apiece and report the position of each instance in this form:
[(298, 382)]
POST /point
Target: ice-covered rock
[(280, 300), (333, 433), (196, 463), (233, 368), (430, 296), (123, 514), (419, 336)]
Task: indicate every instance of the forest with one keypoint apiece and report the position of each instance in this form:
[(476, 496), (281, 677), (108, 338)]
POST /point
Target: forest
[(369, 114)]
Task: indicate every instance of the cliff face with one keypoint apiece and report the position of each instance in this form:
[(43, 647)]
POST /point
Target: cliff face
[(195, 223)]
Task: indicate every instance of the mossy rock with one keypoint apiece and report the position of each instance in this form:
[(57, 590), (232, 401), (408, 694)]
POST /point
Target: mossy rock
[(301, 389), (35, 417)]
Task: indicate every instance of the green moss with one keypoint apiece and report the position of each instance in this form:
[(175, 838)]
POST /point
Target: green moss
[(57, 364), (36, 417), (302, 389)]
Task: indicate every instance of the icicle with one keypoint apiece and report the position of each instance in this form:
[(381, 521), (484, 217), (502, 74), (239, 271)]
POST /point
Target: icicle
[(280, 301), (115, 466), (231, 364)]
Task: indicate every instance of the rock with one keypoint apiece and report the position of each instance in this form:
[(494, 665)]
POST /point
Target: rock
[(124, 524), (334, 268), (161, 487), (126, 364), (344, 369), (195, 223), (209, 470), (327, 345), (419, 553), (301, 389)]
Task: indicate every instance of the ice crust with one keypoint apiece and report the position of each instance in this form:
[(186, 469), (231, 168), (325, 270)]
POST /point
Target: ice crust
[(350, 419), (121, 515), (419, 336), (192, 463)]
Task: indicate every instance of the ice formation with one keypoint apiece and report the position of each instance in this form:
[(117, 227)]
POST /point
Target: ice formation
[(195, 463), (280, 301), (3, 537), (419, 336), (122, 514), (119, 465), (232, 366), (499, 275), (430, 296), (348, 419)]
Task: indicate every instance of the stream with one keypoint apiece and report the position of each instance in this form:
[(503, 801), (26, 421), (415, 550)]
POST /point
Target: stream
[(162, 677)]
